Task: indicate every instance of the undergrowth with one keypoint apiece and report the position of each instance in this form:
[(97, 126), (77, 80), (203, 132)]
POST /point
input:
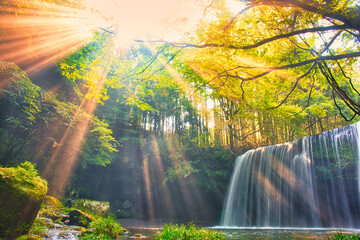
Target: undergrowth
[(39, 227), (341, 236), (188, 232), (103, 228)]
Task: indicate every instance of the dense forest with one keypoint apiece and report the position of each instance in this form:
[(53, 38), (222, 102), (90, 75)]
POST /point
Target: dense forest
[(156, 126)]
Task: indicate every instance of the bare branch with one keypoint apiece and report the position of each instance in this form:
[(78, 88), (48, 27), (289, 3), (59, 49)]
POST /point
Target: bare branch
[(294, 87), (258, 44), (350, 103), (310, 92), (314, 60), (294, 65), (108, 31), (164, 65)]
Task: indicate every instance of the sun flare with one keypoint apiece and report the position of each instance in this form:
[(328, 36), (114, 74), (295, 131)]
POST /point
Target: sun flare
[(157, 19)]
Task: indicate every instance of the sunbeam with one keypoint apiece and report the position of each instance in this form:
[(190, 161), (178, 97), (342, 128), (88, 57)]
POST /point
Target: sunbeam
[(38, 34), (62, 162), (195, 204)]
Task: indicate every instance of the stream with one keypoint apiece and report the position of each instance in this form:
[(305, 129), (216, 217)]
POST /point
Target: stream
[(148, 230)]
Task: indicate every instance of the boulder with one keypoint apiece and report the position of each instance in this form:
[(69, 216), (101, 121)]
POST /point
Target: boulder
[(127, 205), (52, 201), (52, 214), (79, 218), (21, 194), (100, 208)]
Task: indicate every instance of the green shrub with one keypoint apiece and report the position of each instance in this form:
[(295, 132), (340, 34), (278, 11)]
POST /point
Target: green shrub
[(341, 236), (92, 236), (106, 226), (188, 232)]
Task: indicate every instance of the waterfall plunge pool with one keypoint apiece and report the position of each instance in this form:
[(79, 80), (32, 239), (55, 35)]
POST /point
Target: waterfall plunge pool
[(265, 233), (235, 233)]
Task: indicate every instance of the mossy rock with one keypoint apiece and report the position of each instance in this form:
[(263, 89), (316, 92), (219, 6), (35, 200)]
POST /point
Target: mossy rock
[(50, 213), (21, 194), (29, 237), (100, 208), (52, 201), (138, 235), (79, 218)]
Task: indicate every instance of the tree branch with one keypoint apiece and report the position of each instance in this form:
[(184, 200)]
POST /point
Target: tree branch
[(294, 87), (314, 60), (258, 44), (294, 65), (349, 16)]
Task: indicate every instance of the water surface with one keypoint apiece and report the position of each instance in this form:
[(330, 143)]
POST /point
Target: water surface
[(281, 233), (149, 229)]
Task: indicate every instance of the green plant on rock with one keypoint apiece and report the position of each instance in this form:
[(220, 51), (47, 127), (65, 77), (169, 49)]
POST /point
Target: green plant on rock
[(93, 236), (341, 236), (29, 237), (105, 226), (188, 232), (39, 227)]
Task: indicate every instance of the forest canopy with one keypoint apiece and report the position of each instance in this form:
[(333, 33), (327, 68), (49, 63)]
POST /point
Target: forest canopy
[(171, 109)]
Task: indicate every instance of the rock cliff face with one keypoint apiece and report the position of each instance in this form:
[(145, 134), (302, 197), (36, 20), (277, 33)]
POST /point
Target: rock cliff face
[(21, 194)]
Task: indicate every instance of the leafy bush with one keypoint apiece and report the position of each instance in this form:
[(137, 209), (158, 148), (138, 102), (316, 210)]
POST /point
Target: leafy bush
[(188, 232), (106, 226), (92, 236), (342, 236)]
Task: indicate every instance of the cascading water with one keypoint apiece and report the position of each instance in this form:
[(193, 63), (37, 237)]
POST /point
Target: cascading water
[(311, 182)]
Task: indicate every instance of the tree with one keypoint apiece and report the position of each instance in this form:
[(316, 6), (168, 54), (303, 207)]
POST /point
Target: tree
[(306, 38)]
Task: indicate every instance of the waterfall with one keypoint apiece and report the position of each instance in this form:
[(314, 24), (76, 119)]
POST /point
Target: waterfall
[(311, 182)]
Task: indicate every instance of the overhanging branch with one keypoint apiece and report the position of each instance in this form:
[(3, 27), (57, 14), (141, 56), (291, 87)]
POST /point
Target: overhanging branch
[(294, 65), (251, 46)]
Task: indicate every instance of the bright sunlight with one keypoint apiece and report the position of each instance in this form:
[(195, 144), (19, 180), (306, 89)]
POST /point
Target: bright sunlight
[(145, 118), (142, 19)]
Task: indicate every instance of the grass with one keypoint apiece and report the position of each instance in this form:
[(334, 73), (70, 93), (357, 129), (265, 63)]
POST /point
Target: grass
[(39, 228), (341, 236), (103, 228), (93, 236), (100, 228), (188, 232)]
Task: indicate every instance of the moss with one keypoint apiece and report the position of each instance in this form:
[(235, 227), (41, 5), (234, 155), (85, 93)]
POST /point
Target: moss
[(52, 201), (10, 71), (138, 235), (99, 208), (80, 218), (29, 237), (23, 180), (39, 227), (21, 194)]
